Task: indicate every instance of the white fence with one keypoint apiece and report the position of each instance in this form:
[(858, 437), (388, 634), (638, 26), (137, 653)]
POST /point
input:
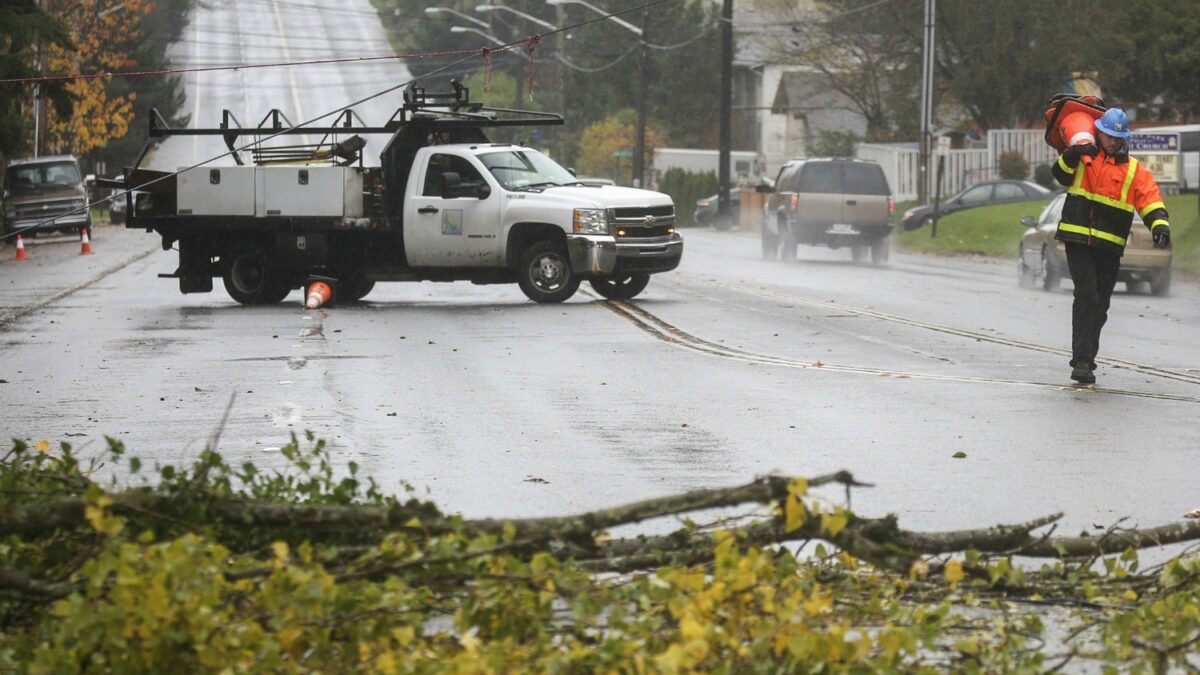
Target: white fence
[(963, 168)]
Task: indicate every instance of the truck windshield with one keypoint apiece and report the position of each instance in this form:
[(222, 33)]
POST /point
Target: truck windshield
[(518, 169), (34, 177)]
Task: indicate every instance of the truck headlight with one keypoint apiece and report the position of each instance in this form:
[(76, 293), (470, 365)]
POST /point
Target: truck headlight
[(591, 221)]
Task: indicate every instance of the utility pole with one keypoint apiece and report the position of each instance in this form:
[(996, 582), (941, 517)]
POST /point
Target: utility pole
[(726, 133), (37, 98), (927, 104), (639, 152)]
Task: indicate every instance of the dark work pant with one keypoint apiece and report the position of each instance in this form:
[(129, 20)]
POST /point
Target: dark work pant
[(1094, 273)]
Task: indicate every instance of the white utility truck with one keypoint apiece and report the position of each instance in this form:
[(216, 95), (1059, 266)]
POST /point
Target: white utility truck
[(445, 204)]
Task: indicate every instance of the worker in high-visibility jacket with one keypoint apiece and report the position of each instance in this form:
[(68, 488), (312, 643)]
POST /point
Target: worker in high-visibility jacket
[(1105, 186)]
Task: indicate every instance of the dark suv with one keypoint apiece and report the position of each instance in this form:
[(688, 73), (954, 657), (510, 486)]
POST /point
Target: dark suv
[(829, 202)]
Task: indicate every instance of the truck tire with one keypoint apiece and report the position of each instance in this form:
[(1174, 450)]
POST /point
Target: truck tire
[(544, 273), (624, 287), (354, 287), (881, 250), (250, 281), (770, 244), (787, 245)]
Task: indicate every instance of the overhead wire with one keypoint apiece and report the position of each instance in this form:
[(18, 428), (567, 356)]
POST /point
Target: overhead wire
[(350, 59), (530, 42)]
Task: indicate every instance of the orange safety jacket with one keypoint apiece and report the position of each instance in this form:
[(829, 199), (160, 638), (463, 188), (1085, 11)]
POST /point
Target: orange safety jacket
[(1102, 196)]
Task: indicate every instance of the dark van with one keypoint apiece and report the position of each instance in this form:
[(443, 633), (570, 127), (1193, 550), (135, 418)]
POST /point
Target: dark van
[(830, 202)]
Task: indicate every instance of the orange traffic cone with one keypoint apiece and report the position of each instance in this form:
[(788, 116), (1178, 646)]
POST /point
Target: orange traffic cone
[(319, 293), (86, 243), (21, 249)]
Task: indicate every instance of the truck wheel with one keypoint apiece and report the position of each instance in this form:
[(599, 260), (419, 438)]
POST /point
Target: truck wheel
[(770, 245), (880, 250), (624, 287), (787, 244), (250, 281), (354, 287), (545, 274)]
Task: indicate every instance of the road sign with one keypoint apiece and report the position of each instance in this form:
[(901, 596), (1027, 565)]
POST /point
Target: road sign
[(623, 154)]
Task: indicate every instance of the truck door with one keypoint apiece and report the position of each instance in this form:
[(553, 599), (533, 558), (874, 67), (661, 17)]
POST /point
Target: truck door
[(442, 229)]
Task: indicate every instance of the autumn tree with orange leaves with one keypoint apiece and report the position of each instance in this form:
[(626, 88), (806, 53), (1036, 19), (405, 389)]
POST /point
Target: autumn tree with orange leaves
[(104, 34)]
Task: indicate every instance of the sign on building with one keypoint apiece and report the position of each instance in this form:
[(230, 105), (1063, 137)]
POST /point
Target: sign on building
[(1160, 153)]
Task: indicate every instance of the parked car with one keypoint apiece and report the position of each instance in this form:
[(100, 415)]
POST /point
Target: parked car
[(1042, 260), (45, 193), (980, 194), (706, 210), (832, 202)]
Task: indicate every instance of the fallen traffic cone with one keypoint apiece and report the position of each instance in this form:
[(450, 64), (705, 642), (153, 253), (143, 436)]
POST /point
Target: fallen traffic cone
[(319, 293), (21, 249), (87, 243)]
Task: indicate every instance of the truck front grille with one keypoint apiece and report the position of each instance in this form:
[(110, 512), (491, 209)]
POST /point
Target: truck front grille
[(46, 210), (642, 221)]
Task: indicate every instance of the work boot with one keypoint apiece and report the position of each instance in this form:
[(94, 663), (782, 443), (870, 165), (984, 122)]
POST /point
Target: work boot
[(1082, 373)]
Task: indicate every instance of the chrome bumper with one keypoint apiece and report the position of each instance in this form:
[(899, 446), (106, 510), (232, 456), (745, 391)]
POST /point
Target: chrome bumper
[(602, 255), (649, 255), (49, 222), (592, 254)]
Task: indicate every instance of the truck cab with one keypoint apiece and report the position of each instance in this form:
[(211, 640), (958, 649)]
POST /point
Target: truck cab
[(486, 205), (445, 204)]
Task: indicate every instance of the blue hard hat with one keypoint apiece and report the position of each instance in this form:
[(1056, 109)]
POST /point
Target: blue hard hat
[(1114, 122)]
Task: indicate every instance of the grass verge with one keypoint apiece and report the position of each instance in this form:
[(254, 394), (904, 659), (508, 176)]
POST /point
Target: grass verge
[(995, 231)]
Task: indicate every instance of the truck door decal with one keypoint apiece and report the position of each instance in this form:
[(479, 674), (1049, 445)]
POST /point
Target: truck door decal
[(452, 222)]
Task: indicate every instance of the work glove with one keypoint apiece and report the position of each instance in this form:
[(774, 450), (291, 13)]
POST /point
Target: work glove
[(1073, 154), (1162, 236)]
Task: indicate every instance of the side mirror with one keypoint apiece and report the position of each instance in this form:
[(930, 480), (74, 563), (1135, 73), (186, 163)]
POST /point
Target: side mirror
[(763, 189), (1027, 221), (571, 170)]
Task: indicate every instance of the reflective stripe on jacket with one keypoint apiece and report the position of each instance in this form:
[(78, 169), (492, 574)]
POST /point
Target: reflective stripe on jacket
[(1102, 196)]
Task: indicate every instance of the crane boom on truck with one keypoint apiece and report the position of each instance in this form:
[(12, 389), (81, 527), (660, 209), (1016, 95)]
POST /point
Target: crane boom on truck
[(445, 204)]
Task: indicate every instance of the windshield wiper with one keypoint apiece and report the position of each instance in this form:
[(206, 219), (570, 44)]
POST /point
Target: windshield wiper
[(543, 184)]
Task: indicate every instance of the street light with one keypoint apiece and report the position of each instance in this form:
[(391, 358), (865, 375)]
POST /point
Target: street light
[(455, 12), (597, 10), (639, 154), (528, 17), (467, 29)]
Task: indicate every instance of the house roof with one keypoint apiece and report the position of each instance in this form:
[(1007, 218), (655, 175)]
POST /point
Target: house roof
[(808, 94)]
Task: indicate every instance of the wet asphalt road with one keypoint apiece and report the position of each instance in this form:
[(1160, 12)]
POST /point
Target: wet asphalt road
[(728, 368)]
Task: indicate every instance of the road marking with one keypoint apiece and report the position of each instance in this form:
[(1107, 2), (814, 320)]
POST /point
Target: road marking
[(670, 334), (291, 72), (18, 312), (1142, 368)]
